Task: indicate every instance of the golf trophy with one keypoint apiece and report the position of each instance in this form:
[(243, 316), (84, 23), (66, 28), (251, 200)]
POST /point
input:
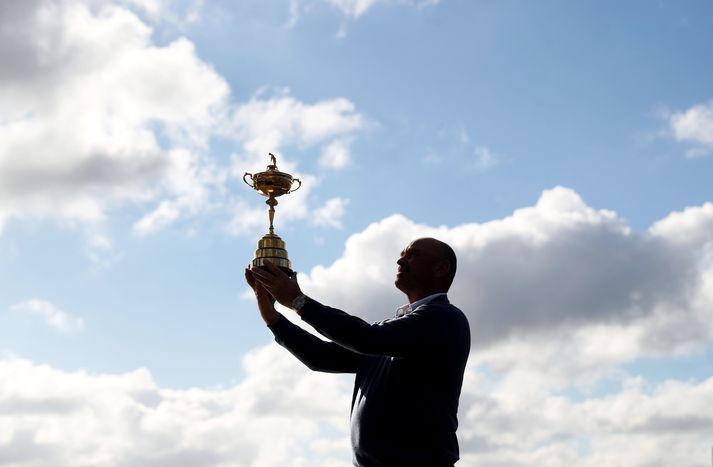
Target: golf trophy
[(272, 183)]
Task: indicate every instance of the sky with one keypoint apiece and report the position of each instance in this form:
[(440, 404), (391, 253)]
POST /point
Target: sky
[(564, 149)]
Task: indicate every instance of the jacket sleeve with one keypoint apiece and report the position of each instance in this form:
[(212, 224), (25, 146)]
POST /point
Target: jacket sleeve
[(316, 354), (425, 330)]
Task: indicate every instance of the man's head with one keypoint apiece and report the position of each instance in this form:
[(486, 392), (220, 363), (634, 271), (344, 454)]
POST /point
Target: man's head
[(426, 266)]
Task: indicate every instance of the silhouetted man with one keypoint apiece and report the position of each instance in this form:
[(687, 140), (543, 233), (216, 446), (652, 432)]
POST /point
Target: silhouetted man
[(409, 369)]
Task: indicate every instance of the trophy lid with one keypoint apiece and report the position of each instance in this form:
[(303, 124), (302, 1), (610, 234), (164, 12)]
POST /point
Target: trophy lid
[(272, 182)]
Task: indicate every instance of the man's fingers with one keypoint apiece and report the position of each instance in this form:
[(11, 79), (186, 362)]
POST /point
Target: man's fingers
[(261, 273), (274, 269), (266, 281), (249, 278), (258, 287), (254, 282), (279, 272), (261, 288)]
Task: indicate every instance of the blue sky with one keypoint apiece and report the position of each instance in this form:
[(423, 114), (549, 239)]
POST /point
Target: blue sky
[(565, 150)]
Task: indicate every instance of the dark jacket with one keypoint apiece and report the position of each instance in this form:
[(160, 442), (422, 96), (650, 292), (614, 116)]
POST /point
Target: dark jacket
[(409, 373)]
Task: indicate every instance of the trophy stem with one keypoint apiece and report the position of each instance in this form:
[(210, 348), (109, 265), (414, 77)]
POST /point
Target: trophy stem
[(272, 202)]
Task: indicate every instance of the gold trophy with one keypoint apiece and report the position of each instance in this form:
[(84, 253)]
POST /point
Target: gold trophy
[(272, 183)]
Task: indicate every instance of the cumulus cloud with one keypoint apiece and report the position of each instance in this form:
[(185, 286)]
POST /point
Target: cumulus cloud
[(694, 126), (330, 215), (94, 116), (546, 271), (53, 316), (179, 14), (53, 417), (190, 178), (86, 96), (336, 155), (689, 228), (559, 295), (283, 415), (641, 424), (252, 216), (274, 119)]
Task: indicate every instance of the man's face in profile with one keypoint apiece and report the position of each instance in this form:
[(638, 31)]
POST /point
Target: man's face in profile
[(416, 265)]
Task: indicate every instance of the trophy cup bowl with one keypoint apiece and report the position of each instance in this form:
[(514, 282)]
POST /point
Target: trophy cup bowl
[(272, 183)]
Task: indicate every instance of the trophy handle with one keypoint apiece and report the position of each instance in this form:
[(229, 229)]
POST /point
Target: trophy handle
[(298, 186), (251, 179)]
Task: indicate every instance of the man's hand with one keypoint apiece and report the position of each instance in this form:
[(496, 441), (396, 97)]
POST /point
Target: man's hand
[(282, 287), (265, 301)]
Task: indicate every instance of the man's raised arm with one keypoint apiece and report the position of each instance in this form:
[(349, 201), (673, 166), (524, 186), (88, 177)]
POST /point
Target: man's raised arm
[(315, 353)]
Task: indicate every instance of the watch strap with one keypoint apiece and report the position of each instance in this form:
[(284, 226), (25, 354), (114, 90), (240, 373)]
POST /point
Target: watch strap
[(299, 302)]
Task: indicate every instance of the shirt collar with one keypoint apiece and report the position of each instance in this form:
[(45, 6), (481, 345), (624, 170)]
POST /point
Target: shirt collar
[(409, 307)]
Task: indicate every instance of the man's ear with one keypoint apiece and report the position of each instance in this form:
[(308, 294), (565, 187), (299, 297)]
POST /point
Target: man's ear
[(442, 268)]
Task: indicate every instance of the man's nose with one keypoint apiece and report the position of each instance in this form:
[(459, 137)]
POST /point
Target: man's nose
[(400, 261)]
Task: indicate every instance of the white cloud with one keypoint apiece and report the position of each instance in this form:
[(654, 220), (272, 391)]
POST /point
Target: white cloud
[(53, 417), (641, 424), (189, 178), (164, 214), (690, 228), (53, 316), (695, 126), (543, 273), (268, 122), (356, 8), (283, 415), (559, 296), (179, 14), (101, 251), (349, 9), (251, 216), (335, 155), (330, 215), (152, 7), (484, 158), (85, 97), (94, 116), (247, 218)]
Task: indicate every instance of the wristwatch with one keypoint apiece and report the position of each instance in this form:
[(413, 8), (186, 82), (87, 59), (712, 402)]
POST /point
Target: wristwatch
[(299, 302)]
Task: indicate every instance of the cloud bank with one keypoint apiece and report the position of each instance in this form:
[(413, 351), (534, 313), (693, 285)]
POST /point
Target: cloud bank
[(86, 100), (52, 417), (560, 297), (546, 269), (96, 116)]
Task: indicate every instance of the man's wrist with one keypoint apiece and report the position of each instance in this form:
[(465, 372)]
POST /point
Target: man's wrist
[(299, 302), (272, 319)]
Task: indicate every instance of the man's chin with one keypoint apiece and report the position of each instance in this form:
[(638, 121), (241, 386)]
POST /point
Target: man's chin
[(399, 282)]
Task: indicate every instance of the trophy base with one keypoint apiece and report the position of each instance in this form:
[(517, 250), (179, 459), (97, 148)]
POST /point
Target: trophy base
[(272, 248)]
